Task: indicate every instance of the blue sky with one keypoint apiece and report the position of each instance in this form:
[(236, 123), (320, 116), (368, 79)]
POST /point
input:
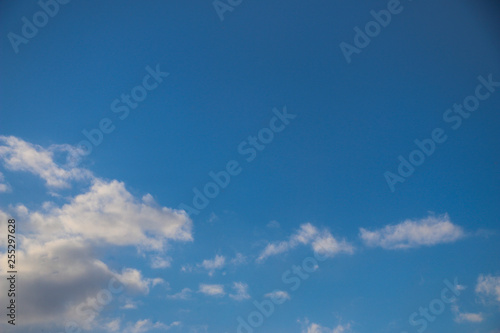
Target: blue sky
[(306, 141)]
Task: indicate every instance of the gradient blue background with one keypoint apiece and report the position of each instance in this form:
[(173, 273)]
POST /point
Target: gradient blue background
[(353, 120)]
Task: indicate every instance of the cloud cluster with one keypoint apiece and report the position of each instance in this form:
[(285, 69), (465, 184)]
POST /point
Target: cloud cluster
[(63, 279)]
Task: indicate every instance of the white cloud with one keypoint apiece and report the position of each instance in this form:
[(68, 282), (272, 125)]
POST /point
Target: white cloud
[(212, 289), (326, 244), (184, 294), (108, 213), (278, 296), (488, 286), (273, 249), (321, 242), (241, 290), (19, 155), (145, 325), (316, 328), (211, 265), (304, 235), (414, 233)]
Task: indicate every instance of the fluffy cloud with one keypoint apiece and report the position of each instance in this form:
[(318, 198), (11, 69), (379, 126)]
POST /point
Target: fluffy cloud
[(212, 289), (413, 233), (62, 282), (19, 155), (108, 213), (322, 242), (241, 291), (488, 286)]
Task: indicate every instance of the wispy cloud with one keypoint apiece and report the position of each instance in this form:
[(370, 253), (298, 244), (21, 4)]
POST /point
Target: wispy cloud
[(113, 325), (241, 291), (461, 317), (129, 305), (184, 294), (429, 231), (211, 265), (279, 296), (322, 242), (145, 325), (239, 259), (4, 187), (273, 224), (161, 262), (317, 328)]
